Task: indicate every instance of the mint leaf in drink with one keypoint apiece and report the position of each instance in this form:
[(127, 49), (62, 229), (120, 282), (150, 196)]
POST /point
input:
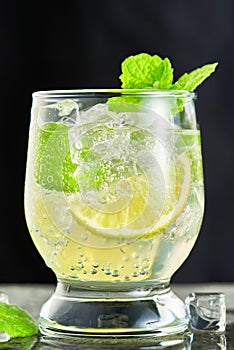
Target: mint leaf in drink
[(189, 81), (144, 71), (53, 165), (16, 322)]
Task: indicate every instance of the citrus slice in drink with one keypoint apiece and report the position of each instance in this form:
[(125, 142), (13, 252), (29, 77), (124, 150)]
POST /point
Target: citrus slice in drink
[(176, 197), (144, 204)]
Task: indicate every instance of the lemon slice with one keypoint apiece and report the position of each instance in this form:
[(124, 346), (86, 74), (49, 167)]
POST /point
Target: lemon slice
[(145, 205), (130, 215), (177, 196)]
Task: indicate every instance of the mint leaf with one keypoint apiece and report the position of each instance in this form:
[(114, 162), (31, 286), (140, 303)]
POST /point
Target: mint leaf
[(189, 81), (146, 71), (53, 165), (124, 104), (16, 322), (140, 71), (163, 75)]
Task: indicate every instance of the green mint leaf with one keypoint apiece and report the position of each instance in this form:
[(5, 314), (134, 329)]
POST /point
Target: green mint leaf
[(189, 81), (142, 71), (16, 322), (54, 169), (163, 75), (124, 104)]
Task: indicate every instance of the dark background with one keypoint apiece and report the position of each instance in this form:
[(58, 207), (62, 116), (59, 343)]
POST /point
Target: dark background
[(80, 44)]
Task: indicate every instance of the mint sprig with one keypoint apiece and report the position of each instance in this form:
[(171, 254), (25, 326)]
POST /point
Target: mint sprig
[(16, 322), (145, 71)]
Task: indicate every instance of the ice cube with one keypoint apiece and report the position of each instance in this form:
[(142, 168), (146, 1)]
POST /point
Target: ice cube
[(207, 311), (4, 297), (65, 112), (4, 337), (97, 113), (213, 341), (104, 140)]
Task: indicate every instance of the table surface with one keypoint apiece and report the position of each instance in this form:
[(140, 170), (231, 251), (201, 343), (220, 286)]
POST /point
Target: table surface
[(30, 297)]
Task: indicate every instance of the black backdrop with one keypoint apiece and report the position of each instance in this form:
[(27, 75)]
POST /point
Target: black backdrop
[(80, 44)]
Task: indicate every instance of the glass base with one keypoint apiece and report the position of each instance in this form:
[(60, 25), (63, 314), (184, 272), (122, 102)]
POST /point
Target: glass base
[(76, 310), (182, 341)]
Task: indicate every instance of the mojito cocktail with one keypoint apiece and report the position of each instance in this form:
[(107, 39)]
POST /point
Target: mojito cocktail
[(114, 202), (114, 199)]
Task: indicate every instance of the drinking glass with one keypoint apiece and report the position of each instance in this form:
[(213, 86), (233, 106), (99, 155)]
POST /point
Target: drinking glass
[(114, 202)]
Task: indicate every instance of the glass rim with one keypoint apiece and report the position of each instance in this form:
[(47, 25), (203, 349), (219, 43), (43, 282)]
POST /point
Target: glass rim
[(104, 92)]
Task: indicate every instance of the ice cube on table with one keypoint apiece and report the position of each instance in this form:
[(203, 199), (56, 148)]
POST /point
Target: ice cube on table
[(4, 337), (207, 311), (4, 297)]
